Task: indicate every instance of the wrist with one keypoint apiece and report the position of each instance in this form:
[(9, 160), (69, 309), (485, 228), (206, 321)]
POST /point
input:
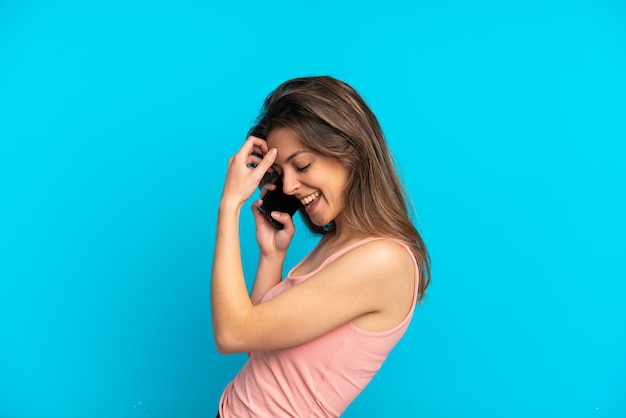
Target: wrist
[(272, 259), (230, 206), (271, 266)]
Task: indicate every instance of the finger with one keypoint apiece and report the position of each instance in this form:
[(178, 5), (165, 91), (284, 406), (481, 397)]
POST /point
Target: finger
[(257, 151), (256, 205), (286, 220), (254, 144), (256, 208), (254, 159), (252, 151), (259, 216), (268, 160), (259, 143), (251, 144), (267, 187)]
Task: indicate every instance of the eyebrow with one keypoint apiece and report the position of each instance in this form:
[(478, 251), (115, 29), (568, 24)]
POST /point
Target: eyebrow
[(294, 155)]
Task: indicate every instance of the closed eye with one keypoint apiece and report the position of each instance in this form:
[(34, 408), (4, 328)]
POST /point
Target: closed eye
[(301, 169)]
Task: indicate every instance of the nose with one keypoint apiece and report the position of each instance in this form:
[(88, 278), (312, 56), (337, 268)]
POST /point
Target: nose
[(290, 183)]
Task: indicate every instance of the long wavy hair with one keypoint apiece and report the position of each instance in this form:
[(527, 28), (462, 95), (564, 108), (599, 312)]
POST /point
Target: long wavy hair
[(330, 117)]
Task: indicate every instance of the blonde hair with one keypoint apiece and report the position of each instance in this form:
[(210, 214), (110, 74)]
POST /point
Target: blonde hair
[(331, 118)]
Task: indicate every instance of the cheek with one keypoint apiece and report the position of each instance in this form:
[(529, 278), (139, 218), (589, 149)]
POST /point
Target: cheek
[(341, 187)]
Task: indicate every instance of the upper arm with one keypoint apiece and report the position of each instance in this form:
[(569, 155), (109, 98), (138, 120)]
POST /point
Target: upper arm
[(367, 279)]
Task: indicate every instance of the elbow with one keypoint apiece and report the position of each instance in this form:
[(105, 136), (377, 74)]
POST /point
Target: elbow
[(231, 334), (226, 344), (223, 348)]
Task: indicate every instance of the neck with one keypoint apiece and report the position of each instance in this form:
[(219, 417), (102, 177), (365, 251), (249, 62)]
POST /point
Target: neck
[(343, 232)]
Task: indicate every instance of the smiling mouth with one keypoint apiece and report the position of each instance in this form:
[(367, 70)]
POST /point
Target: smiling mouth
[(310, 198)]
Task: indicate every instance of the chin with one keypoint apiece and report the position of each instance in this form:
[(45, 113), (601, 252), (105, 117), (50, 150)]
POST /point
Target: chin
[(321, 222), (318, 222)]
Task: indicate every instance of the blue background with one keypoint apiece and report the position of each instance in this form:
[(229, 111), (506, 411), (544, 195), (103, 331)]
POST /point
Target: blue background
[(116, 123)]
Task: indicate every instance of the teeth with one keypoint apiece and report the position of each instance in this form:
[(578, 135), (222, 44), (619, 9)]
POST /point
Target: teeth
[(310, 198)]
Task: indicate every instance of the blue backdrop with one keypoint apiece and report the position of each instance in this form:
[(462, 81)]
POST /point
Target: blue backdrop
[(116, 124)]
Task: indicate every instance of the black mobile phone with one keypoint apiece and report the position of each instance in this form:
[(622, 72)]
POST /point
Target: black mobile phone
[(277, 200)]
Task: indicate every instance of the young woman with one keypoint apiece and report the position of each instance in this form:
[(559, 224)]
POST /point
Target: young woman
[(317, 337)]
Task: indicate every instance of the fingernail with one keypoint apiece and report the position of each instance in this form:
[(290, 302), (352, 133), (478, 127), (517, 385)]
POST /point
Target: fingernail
[(275, 215)]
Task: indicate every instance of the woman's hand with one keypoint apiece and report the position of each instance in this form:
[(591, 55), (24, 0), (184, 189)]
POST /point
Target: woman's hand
[(272, 242), (246, 169)]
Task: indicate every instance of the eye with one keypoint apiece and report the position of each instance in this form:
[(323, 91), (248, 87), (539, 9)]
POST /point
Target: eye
[(301, 169)]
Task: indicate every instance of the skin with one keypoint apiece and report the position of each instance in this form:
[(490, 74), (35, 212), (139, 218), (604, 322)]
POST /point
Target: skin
[(371, 285)]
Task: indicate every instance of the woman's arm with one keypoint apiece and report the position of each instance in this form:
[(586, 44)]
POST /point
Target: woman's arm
[(373, 281), (229, 294), (273, 245), (269, 274)]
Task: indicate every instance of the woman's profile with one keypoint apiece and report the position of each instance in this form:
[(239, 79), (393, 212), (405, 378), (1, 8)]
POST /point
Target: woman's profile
[(317, 335)]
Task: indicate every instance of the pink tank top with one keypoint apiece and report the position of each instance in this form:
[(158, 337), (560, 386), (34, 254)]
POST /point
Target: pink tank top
[(319, 378)]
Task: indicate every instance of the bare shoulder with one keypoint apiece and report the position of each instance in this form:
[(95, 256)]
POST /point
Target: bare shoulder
[(386, 274), (385, 254), (382, 263)]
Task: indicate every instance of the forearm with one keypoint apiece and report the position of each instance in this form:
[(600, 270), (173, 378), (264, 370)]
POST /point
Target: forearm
[(269, 274), (229, 294)]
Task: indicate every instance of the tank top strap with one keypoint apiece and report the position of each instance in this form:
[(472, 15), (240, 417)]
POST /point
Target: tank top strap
[(341, 252), (349, 248)]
